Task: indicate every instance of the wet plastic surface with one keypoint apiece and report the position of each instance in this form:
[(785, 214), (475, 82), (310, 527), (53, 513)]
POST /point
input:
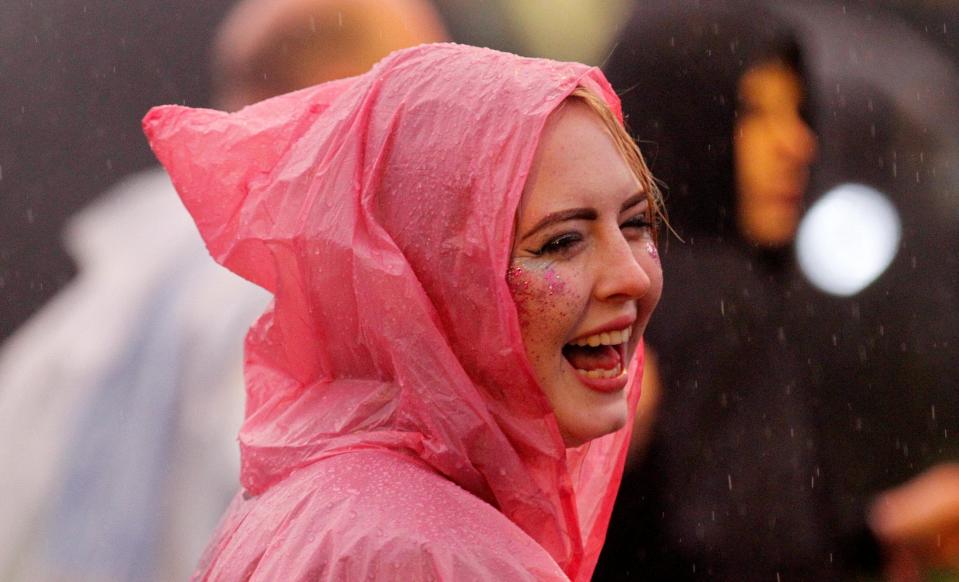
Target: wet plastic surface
[(388, 393)]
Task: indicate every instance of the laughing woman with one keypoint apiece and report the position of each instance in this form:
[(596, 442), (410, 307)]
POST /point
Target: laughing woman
[(461, 249)]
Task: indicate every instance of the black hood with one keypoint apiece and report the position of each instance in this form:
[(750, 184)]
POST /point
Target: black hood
[(677, 70)]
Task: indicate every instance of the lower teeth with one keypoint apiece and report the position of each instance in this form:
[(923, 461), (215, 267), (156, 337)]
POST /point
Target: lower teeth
[(601, 373)]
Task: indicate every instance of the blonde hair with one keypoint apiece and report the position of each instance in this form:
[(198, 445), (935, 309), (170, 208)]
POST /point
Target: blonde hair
[(629, 150)]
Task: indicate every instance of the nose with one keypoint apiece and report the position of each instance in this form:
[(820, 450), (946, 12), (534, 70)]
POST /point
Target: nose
[(620, 275), (797, 141)]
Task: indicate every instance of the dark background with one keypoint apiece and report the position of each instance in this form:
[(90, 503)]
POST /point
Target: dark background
[(76, 79)]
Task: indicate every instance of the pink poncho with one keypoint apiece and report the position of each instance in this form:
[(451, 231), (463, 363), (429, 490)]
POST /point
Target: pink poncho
[(394, 428)]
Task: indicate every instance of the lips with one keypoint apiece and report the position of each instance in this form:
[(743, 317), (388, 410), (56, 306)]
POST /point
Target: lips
[(599, 359)]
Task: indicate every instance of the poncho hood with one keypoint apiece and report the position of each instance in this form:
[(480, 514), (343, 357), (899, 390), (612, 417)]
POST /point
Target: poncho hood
[(379, 211)]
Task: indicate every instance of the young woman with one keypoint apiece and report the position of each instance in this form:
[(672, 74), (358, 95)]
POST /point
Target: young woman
[(461, 248)]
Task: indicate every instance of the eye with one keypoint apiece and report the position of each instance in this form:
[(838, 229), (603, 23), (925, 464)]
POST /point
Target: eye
[(639, 222), (560, 244)]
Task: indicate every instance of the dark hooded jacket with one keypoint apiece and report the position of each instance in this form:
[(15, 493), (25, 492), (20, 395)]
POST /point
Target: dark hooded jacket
[(730, 487)]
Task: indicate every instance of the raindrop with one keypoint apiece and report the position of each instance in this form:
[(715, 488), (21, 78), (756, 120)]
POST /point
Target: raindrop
[(729, 480)]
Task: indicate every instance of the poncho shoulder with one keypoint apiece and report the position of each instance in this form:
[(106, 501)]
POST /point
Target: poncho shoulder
[(395, 519)]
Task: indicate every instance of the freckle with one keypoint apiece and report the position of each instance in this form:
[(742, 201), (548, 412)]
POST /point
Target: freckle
[(652, 250)]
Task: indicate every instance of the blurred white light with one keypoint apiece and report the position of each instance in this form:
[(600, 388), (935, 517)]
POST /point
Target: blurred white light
[(848, 238)]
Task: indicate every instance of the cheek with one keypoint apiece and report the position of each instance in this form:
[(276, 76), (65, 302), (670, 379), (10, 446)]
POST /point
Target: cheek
[(545, 301), (647, 255), (652, 251), (654, 270)]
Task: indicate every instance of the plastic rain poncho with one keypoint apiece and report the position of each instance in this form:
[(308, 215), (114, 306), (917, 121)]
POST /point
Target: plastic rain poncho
[(394, 428)]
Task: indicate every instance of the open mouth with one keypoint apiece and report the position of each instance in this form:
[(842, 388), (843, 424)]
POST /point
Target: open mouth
[(599, 356)]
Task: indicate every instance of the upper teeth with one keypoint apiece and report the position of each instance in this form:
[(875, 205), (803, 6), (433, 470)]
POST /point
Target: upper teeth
[(611, 338)]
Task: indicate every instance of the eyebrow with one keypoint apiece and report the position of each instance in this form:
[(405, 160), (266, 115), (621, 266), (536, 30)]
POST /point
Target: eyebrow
[(579, 214)]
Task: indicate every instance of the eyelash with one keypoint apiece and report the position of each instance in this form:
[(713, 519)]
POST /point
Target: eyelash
[(557, 245), (639, 221), (565, 241)]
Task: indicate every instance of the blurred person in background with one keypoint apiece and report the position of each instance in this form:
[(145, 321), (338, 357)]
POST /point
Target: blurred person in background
[(718, 100), (124, 393), (729, 482)]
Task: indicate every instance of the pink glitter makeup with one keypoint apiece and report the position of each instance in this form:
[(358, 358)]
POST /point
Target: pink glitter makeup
[(652, 250), (537, 291), (554, 283)]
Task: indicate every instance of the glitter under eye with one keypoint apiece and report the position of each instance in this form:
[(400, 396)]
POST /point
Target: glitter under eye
[(652, 250), (554, 283)]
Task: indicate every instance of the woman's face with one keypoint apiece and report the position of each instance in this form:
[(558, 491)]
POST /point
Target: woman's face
[(773, 148), (585, 273)]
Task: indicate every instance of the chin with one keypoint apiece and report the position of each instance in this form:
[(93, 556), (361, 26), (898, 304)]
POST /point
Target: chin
[(593, 424), (775, 233)]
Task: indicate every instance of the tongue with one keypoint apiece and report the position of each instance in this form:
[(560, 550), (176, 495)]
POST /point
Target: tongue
[(587, 358)]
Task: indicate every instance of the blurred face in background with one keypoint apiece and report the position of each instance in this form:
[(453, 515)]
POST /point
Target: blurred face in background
[(773, 148), (267, 48)]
